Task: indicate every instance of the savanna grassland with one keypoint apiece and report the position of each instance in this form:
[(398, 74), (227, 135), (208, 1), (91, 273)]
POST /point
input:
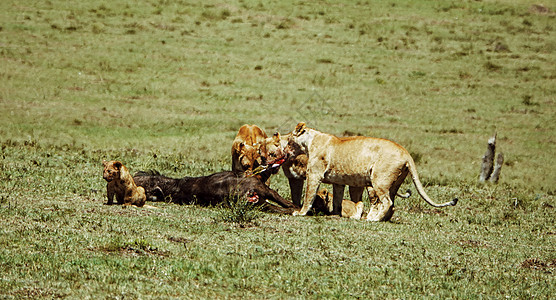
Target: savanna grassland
[(165, 85)]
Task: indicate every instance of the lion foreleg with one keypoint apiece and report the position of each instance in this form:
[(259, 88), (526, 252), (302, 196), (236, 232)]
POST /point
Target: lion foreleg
[(110, 193), (310, 194), (296, 189), (120, 194)]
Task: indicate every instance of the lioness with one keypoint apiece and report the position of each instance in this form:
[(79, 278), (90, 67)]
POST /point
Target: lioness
[(350, 209), (295, 166), (356, 161), (121, 185), (245, 148), (295, 169)]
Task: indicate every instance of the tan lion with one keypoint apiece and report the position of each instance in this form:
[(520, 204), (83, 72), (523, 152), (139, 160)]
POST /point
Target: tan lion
[(245, 148), (295, 169), (359, 162), (121, 185)]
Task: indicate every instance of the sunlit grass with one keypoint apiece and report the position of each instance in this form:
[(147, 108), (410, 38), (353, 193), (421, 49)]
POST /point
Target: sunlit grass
[(165, 85)]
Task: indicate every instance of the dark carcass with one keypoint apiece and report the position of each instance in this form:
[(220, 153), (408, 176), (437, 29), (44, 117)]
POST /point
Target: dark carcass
[(212, 190)]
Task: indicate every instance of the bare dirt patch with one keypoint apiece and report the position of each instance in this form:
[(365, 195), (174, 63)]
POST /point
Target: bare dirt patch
[(35, 293), (540, 9), (537, 264)]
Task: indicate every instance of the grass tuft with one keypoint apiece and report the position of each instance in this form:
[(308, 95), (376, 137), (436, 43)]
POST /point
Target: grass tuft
[(238, 210)]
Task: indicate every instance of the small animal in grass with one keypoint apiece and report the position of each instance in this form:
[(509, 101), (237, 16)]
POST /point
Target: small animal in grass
[(350, 209), (122, 185)]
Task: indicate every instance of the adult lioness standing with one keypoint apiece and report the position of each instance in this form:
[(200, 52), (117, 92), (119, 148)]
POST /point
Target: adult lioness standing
[(356, 161), (295, 169)]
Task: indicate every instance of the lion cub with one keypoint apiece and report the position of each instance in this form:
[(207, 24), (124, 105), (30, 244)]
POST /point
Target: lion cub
[(121, 184), (350, 209)]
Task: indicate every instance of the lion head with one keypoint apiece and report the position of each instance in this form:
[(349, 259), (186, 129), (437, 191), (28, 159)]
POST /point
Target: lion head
[(272, 149), (298, 139), (111, 170), (249, 157)]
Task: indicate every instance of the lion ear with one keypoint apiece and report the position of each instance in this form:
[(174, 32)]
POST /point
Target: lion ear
[(276, 137), (118, 165), (104, 162), (300, 127)]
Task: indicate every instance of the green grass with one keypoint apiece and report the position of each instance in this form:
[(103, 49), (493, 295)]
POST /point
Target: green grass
[(165, 85)]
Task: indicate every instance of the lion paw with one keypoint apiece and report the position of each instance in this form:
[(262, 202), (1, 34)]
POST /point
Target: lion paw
[(297, 213)]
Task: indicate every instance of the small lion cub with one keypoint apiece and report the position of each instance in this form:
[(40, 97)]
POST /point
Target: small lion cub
[(350, 209), (121, 184)]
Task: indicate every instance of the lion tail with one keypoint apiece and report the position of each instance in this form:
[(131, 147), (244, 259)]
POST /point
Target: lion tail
[(421, 190), (406, 195)]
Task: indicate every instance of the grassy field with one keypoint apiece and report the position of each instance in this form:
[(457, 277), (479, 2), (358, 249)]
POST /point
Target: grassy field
[(165, 85)]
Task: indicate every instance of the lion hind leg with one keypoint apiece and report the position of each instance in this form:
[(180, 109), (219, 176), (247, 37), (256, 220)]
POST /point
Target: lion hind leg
[(385, 188), (140, 197), (383, 210), (356, 193), (373, 199), (337, 198)]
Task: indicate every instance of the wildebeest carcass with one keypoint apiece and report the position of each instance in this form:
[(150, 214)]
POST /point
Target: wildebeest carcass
[(212, 190)]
